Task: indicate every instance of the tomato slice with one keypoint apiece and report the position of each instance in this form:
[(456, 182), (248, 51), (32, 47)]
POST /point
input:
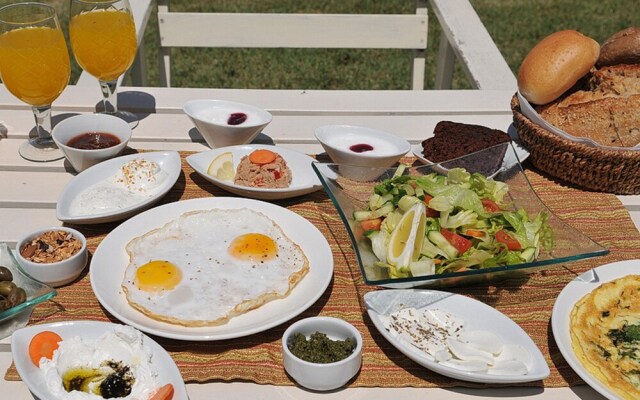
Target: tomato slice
[(512, 243), (461, 244), (431, 213), (164, 393), (490, 206)]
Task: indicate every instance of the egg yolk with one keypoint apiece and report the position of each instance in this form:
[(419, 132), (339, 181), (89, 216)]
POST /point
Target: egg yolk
[(158, 275), (253, 247)]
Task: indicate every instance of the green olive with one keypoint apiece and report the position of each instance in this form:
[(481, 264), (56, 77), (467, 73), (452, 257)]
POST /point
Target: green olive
[(5, 274), (7, 287)]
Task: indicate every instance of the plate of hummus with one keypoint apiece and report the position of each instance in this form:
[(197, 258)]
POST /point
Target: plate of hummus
[(260, 172), (596, 324)]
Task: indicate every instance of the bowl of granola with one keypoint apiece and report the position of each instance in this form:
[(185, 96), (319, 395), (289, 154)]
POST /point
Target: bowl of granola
[(55, 255)]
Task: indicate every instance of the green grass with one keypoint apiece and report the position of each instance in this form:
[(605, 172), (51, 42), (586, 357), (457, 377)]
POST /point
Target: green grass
[(515, 26)]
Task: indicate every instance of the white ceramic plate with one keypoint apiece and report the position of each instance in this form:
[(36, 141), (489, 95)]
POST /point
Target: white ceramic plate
[(477, 316), (110, 261), (303, 179), (34, 379), (169, 161), (568, 297)]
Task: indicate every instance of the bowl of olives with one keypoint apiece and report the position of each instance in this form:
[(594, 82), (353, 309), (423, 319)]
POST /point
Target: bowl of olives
[(19, 292)]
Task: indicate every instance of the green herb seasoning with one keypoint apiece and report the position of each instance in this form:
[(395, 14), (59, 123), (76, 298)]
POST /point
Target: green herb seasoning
[(320, 349)]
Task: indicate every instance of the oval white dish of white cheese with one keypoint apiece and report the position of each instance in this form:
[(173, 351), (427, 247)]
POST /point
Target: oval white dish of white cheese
[(118, 188), (456, 336), (91, 343)]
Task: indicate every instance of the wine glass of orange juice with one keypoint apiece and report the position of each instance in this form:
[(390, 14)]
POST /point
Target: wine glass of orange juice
[(103, 40), (34, 65)]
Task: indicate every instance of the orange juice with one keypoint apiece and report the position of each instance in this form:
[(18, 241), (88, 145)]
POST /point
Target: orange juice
[(103, 42), (34, 64)]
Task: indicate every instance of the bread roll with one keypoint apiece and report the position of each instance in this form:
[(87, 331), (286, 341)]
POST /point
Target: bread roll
[(555, 64), (621, 48)]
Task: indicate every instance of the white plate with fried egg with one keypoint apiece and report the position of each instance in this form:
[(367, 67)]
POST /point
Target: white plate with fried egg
[(159, 362), (472, 316), (303, 179), (118, 188), (110, 262)]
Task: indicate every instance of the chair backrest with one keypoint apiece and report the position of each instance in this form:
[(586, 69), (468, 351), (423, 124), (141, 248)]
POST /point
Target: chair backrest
[(357, 31), (464, 38)]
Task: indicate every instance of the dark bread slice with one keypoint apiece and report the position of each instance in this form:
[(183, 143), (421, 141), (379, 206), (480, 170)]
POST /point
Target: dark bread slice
[(455, 139)]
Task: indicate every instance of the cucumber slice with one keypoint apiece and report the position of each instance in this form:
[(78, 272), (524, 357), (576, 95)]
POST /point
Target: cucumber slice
[(443, 244)]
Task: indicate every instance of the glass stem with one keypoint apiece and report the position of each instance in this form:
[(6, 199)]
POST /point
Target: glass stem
[(110, 97), (42, 115)]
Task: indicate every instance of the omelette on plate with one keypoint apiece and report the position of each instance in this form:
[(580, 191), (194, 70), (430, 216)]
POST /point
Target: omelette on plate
[(205, 267), (605, 335)]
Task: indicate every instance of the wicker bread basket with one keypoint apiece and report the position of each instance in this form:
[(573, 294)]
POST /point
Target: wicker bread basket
[(604, 170)]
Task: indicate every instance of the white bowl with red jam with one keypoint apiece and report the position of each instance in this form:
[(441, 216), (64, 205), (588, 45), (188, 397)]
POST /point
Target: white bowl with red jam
[(226, 123), (89, 139), (361, 146)]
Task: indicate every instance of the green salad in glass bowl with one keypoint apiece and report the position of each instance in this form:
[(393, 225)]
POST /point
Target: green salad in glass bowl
[(434, 223), (448, 224)]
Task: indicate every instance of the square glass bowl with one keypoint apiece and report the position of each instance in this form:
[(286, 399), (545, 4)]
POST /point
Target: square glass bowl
[(349, 187), (37, 292)]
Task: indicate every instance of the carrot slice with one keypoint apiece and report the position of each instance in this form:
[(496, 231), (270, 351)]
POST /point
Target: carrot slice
[(43, 345), (262, 156), (476, 233), (164, 393), (371, 224)]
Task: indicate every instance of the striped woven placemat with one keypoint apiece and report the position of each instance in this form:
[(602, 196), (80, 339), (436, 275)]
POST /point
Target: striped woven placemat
[(257, 358)]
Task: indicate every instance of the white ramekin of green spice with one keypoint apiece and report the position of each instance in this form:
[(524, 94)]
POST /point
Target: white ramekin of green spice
[(322, 353)]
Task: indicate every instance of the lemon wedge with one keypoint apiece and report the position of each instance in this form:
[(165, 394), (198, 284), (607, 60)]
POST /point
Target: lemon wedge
[(407, 237), (222, 167)]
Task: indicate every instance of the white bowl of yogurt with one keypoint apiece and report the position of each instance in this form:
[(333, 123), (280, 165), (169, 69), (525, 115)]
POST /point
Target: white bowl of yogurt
[(361, 146), (226, 123)]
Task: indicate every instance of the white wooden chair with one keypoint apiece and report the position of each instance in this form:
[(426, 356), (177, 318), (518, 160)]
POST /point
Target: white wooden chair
[(464, 37)]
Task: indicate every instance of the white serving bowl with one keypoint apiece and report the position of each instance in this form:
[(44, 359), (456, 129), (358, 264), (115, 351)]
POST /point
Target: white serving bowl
[(317, 376), (211, 118), (71, 127), (339, 140), (57, 273)]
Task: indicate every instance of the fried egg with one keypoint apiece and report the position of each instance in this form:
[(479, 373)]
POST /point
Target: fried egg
[(205, 267)]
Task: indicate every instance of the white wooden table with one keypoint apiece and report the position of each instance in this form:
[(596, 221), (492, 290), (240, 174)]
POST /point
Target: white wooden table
[(29, 190)]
